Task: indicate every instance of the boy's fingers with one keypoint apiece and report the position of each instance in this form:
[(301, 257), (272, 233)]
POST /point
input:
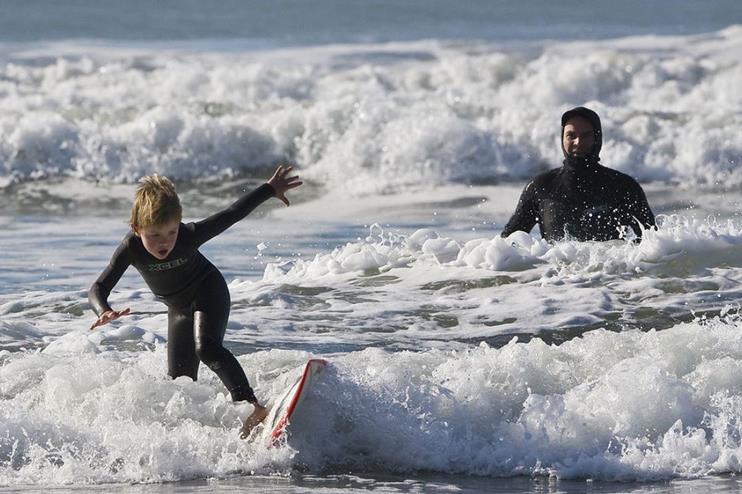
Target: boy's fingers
[(282, 171), (107, 317)]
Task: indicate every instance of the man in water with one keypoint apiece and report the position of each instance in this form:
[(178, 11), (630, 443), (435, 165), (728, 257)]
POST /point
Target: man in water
[(582, 200)]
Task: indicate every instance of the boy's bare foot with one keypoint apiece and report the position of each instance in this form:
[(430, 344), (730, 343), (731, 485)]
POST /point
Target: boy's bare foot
[(256, 417)]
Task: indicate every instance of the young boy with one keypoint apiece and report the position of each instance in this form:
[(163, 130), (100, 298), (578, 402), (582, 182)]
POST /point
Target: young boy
[(165, 252)]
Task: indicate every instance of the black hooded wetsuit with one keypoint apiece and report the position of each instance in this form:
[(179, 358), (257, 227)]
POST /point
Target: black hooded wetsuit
[(194, 291), (582, 200)]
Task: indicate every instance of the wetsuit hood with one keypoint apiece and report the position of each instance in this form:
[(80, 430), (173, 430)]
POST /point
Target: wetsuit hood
[(594, 119)]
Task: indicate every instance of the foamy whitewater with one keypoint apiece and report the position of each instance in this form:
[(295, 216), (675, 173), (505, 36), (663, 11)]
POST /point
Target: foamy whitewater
[(371, 118), (453, 352)]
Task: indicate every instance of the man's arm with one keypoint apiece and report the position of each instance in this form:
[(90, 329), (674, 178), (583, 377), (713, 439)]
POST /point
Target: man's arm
[(98, 293), (525, 216), (640, 211)]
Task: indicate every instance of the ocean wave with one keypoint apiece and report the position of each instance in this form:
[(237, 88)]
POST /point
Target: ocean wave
[(372, 118), (605, 406), (644, 412)]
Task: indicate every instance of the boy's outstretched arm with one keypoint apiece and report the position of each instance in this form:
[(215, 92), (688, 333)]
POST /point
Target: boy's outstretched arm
[(277, 186)]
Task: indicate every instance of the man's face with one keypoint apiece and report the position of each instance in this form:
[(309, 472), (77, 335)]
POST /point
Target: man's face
[(578, 137), (159, 240)]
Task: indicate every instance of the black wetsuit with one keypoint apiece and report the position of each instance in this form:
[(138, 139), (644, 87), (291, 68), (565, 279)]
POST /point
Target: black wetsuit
[(194, 291), (582, 200)]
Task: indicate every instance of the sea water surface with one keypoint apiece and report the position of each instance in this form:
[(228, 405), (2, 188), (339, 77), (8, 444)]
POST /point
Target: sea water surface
[(460, 361)]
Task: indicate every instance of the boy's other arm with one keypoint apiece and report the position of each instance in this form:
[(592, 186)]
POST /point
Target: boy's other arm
[(276, 186), (98, 293)]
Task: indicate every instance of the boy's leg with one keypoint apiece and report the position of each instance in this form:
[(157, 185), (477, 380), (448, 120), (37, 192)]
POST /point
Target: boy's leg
[(211, 312), (181, 346), (211, 352)]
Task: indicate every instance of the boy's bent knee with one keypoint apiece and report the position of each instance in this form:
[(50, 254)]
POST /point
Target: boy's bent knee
[(210, 353)]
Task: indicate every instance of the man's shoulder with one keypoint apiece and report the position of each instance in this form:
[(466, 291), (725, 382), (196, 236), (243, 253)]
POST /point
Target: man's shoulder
[(539, 183), (620, 177), (544, 178)]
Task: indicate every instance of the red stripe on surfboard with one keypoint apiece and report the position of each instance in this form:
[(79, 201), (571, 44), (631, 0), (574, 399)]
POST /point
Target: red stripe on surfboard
[(278, 429)]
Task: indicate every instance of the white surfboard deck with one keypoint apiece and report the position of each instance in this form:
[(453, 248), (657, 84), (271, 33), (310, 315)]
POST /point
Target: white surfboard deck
[(286, 405)]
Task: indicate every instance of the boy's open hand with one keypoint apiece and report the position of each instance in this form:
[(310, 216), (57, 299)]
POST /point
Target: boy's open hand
[(108, 316), (281, 182)]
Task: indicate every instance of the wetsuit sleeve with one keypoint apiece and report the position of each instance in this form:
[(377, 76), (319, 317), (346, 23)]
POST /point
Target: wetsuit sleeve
[(98, 293), (212, 226), (641, 210), (525, 216)]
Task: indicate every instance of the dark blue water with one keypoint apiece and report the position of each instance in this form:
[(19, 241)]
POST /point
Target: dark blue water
[(296, 22)]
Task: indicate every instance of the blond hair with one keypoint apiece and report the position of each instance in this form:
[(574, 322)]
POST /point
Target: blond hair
[(155, 202)]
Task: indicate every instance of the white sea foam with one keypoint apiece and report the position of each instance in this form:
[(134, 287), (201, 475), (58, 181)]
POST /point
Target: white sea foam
[(372, 118), (571, 411), (612, 406), (686, 240)]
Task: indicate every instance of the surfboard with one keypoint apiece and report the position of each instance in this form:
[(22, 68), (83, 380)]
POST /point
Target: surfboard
[(287, 405)]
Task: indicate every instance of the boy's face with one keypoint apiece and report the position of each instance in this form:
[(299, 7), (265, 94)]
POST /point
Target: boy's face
[(159, 240)]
